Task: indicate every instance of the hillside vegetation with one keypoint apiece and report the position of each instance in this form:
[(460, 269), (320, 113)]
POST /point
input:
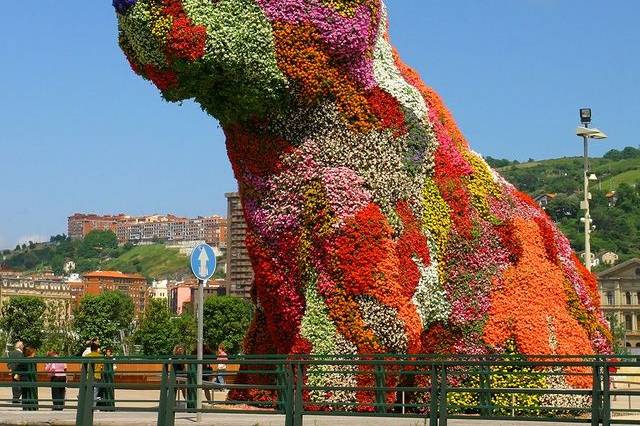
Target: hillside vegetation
[(99, 250), (616, 218)]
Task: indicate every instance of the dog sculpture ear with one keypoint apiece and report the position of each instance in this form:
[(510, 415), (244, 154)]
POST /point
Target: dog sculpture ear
[(219, 53)]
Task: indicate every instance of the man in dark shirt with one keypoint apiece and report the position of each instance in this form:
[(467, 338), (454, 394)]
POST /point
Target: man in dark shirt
[(14, 367)]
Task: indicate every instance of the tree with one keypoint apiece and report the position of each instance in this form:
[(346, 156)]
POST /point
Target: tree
[(226, 320), (187, 330), (23, 319), (103, 316), (98, 244), (59, 335), (157, 333)]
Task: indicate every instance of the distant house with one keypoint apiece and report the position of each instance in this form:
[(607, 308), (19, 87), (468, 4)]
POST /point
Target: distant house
[(69, 267), (612, 198), (544, 199), (609, 258)]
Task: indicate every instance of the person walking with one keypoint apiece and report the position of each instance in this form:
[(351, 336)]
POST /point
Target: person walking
[(97, 370), (13, 366), (28, 377), (222, 366), (58, 378)]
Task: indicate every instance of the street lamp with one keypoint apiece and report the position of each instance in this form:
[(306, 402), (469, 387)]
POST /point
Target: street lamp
[(587, 133)]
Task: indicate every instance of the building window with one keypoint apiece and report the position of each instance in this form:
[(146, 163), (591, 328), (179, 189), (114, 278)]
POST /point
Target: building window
[(627, 297), (628, 322), (609, 298)]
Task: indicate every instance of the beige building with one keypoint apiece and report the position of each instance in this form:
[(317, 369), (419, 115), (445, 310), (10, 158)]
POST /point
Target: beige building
[(55, 291), (239, 269), (620, 291)]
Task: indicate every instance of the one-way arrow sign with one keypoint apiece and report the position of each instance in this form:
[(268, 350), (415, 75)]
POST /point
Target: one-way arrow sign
[(203, 262)]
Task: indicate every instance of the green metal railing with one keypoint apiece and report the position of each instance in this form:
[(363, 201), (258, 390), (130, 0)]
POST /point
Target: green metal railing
[(428, 387)]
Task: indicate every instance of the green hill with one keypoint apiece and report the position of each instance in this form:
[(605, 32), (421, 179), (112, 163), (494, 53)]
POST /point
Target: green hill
[(155, 261), (616, 219)]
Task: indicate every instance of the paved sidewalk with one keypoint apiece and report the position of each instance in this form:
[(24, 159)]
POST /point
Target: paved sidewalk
[(48, 418), (14, 416)]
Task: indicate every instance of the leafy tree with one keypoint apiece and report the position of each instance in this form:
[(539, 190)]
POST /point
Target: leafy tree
[(23, 318), (103, 316), (98, 244), (187, 330), (157, 333), (226, 320), (59, 334)]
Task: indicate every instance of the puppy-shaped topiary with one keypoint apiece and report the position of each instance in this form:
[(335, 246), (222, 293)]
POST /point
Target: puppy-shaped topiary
[(372, 227)]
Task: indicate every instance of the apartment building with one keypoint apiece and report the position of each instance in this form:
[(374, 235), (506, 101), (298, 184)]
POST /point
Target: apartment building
[(149, 228), (133, 285), (52, 289), (239, 268), (620, 293)]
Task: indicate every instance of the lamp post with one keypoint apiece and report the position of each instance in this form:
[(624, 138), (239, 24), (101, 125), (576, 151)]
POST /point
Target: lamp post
[(587, 133)]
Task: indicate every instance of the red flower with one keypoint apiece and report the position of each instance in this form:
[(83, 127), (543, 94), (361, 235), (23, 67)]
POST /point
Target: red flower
[(164, 80)]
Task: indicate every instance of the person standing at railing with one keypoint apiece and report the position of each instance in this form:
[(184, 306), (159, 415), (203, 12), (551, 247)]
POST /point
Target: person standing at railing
[(222, 367), (180, 371), (207, 373), (16, 389), (58, 377), (97, 370), (29, 377)]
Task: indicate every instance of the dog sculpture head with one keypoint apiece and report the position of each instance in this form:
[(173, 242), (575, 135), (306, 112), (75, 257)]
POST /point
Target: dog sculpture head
[(225, 54)]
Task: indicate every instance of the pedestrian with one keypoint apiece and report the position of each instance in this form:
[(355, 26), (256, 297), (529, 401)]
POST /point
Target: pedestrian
[(222, 366), (58, 377), (29, 377), (180, 370), (87, 346), (15, 355), (97, 370), (207, 373)]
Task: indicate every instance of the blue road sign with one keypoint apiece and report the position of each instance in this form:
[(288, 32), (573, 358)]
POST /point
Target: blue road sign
[(203, 262)]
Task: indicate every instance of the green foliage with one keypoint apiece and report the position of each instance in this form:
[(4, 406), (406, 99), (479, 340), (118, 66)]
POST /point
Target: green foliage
[(617, 226), (99, 250), (104, 316), (155, 261), (98, 244), (226, 320), (59, 335), (157, 333), (506, 377), (23, 318)]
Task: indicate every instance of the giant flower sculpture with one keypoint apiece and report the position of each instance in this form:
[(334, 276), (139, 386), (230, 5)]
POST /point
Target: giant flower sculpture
[(372, 226)]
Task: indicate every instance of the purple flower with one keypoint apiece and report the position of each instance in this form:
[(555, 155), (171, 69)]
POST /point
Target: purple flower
[(122, 6)]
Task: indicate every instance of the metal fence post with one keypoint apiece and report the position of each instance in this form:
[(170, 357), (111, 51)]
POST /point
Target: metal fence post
[(380, 382), (433, 403), (84, 415), (162, 406), (171, 397), (299, 403), (443, 396), (82, 395), (288, 393), (485, 391), (606, 396), (596, 398)]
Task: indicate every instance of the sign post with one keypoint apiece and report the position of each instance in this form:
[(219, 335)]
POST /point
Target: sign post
[(203, 266)]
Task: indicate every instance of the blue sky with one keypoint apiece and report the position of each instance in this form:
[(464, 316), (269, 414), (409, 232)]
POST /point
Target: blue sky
[(80, 132)]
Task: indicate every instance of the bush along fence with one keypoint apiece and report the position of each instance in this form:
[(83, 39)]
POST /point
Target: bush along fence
[(433, 388)]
